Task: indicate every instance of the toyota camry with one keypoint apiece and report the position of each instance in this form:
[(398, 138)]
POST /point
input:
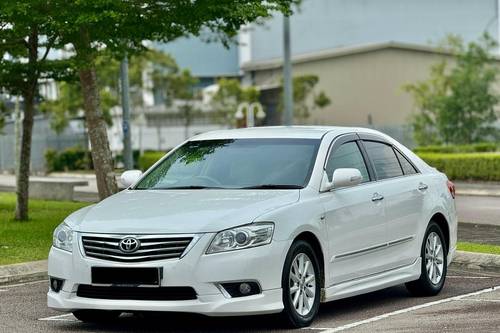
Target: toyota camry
[(255, 221)]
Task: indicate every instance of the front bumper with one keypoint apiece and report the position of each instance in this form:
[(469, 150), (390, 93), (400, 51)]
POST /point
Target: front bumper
[(196, 269)]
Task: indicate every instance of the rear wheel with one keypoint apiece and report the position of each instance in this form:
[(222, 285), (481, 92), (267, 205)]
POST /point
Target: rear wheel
[(301, 285), (96, 316), (434, 268)]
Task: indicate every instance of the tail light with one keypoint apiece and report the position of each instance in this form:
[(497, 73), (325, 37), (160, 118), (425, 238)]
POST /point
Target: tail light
[(451, 188)]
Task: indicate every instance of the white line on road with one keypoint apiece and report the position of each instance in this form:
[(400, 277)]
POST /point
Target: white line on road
[(62, 317), (468, 277), (406, 310), (24, 284)]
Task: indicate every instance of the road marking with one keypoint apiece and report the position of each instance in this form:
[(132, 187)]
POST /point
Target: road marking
[(59, 318), (406, 310), (24, 284), (2, 290), (468, 277)]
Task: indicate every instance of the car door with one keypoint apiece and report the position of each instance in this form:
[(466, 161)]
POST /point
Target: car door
[(404, 191), (355, 223)]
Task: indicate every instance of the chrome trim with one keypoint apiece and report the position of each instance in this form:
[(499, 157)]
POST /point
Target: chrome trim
[(176, 250), (372, 248)]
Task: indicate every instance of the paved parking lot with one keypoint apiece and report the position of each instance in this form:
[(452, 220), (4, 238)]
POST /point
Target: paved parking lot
[(469, 301)]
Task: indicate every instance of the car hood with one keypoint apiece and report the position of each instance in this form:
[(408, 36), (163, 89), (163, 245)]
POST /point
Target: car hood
[(178, 211)]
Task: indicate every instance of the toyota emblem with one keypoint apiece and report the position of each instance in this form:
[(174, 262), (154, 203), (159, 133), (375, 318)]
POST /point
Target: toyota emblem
[(129, 244)]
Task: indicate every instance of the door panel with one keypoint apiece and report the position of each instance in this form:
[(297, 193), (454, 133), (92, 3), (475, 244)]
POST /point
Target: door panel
[(356, 232)]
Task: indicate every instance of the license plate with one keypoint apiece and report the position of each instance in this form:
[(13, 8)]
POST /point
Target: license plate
[(128, 276)]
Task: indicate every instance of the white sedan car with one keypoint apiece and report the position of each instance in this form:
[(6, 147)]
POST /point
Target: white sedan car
[(259, 220)]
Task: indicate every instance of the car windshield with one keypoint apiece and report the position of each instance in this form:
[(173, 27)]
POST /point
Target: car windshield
[(235, 164)]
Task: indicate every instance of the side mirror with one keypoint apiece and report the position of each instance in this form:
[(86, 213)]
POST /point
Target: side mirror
[(129, 177), (346, 177)]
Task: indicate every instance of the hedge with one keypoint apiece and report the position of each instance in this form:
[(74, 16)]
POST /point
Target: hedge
[(472, 148), (472, 166), (147, 159), (74, 158)]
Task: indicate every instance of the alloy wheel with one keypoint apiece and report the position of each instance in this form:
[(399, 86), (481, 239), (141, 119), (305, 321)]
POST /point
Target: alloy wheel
[(302, 281), (434, 258)]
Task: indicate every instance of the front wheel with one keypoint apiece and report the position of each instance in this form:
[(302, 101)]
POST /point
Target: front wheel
[(434, 268), (301, 285)]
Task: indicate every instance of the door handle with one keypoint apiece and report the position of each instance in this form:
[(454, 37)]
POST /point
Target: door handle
[(377, 197), (422, 187)]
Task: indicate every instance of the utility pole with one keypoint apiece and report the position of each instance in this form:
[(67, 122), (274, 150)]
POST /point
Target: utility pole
[(127, 144), (287, 74)]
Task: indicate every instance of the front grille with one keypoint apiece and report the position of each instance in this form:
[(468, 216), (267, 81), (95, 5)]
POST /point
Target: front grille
[(152, 247), (137, 293)]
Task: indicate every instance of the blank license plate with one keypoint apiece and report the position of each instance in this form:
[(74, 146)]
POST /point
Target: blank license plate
[(129, 276)]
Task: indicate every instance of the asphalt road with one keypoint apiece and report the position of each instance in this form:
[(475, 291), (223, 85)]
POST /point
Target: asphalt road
[(467, 303), (478, 209)]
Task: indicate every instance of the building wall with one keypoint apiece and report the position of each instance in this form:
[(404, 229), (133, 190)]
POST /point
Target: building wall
[(360, 85), (325, 24)]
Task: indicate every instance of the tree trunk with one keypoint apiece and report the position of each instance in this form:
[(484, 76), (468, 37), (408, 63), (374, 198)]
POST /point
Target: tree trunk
[(96, 126), (23, 173), (101, 154)]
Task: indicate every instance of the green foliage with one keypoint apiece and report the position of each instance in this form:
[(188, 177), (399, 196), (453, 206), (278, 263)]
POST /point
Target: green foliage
[(480, 248), (305, 98), (456, 105), (30, 240), (482, 147), (147, 159), (74, 158), (229, 95), (3, 112), (467, 166)]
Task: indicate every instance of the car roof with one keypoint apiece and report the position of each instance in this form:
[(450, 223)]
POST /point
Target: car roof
[(296, 132)]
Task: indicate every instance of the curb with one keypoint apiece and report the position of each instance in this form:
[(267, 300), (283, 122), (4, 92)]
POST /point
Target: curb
[(24, 272), (472, 261)]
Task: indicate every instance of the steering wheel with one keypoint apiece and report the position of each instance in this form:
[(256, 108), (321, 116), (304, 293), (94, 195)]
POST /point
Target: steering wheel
[(211, 180)]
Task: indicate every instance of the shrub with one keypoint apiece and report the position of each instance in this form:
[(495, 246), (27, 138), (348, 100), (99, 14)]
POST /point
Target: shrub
[(472, 148), (472, 166), (74, 158), (149, 158)]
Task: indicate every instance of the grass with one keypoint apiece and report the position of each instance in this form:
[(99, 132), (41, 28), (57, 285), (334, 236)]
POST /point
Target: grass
[(481, 248), (31, 240)]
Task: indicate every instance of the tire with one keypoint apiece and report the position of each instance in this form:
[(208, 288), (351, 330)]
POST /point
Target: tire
[(303, 284), (431, 282), (96, 316)]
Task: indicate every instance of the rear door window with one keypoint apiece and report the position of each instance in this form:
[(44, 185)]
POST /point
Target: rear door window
[(384, 160)]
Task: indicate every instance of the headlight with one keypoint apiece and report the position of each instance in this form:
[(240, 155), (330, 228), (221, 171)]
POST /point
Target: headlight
[(63, 238), (242, 237)]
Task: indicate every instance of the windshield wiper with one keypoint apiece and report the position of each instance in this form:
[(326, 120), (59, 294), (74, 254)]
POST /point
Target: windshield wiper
[(187, 187), (273, 187)]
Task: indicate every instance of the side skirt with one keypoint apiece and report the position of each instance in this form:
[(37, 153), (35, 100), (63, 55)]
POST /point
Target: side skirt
[(373, 282)]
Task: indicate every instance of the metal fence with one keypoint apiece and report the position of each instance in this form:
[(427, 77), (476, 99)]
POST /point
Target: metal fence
[(43, 138)]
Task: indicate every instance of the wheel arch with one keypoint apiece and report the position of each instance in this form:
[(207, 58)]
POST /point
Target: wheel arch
[(442, 222), (311, 238)]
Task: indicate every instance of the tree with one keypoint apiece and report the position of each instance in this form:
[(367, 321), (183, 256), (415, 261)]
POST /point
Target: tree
[(229, 95), (123, 26), (25, 43), (305, 98), (181, 88), (456, 104), (158, 65)]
